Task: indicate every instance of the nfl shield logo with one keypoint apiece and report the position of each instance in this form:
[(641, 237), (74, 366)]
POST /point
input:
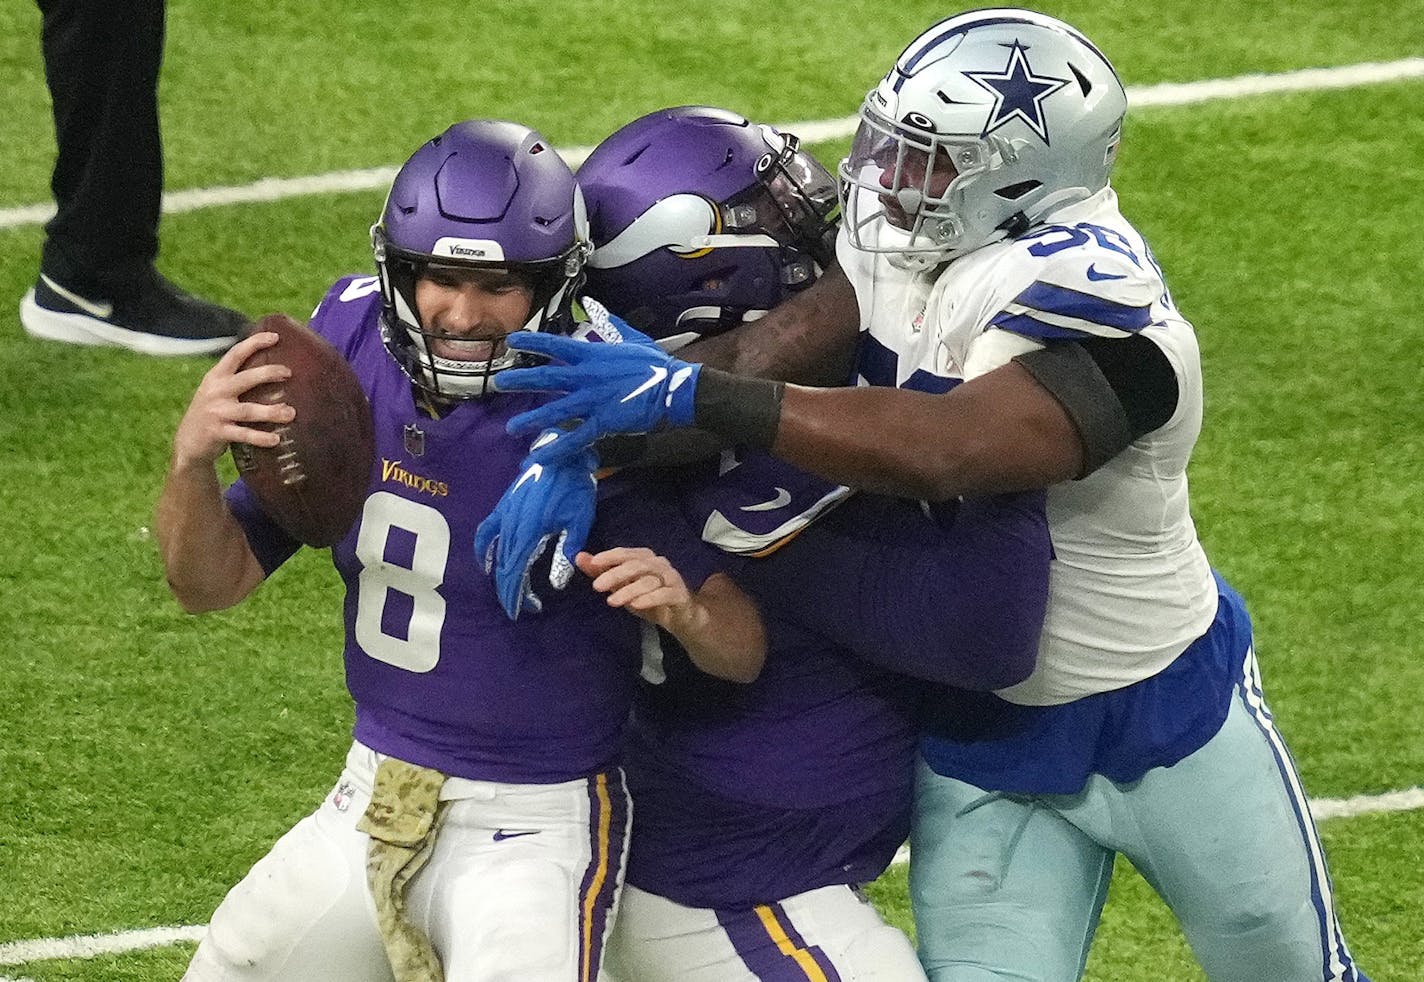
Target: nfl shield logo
[(414, 440), (341, 798)]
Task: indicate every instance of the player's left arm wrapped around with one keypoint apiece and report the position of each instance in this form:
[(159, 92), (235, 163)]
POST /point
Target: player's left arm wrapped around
[(553, 500)]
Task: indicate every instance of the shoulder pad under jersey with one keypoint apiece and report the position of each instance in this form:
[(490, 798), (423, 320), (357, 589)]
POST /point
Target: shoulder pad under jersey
[(342, 314), (1078, 281)]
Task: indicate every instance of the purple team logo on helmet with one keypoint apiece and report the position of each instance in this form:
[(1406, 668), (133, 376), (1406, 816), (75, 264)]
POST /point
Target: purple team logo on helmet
[(701, 219), (484, 194)]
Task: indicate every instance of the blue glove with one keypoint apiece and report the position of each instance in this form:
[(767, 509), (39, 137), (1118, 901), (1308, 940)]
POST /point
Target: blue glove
[(612, 388), (545, 500)]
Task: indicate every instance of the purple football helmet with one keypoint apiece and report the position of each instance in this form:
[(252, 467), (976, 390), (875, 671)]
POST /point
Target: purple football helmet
[(485, 194), (702, 220)]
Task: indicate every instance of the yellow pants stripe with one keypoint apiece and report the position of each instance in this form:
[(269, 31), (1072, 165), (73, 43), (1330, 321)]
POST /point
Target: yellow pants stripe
[(590, 900), (801, 956)]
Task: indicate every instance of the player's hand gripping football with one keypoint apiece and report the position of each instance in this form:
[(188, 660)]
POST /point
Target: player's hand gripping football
[(217, 416), (611, 388), (547, 501)]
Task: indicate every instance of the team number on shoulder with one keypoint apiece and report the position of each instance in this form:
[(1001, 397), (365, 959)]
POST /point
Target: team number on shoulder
[(1053, 239)]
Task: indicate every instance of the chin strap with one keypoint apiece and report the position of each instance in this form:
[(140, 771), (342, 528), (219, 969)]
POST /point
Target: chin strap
[(1015, 225)]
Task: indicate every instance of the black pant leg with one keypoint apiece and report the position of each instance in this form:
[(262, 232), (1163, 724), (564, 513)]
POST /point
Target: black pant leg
[(102, 59)]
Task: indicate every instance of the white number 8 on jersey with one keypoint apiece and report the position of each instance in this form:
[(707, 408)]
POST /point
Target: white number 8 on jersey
[(419, 650)]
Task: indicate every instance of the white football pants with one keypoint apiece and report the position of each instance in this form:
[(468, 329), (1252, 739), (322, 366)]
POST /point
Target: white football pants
[(827, 935), (522, 884)]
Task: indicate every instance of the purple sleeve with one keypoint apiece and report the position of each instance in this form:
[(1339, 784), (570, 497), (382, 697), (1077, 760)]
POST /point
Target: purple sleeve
[(959, 600), (268, 542)]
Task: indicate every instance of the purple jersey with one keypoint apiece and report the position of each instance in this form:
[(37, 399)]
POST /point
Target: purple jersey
[(441, 677), (753, 793), (746, 794)]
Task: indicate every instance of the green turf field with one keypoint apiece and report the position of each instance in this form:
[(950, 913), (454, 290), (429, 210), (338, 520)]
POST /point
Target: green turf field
[(147, 758)]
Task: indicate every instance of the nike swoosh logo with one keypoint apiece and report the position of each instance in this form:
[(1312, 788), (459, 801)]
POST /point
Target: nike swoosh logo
[(659, 373), (501, 834), (1097, 277), (782, 499), (103, 311), (535, 471)]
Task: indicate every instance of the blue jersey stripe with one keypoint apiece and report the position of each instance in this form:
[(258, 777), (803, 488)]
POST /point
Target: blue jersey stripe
[(876, 363), (923, 381), (1064, 302), (1033, 328)]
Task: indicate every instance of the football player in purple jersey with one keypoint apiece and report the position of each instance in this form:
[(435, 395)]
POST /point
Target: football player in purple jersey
[(1013, 330), (760, 809), (479, 826)]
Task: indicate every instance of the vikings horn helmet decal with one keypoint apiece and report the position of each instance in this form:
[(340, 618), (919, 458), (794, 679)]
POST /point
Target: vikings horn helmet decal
[(701, 220)]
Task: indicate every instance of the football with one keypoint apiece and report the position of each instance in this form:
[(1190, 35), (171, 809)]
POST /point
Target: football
[(314, 482)]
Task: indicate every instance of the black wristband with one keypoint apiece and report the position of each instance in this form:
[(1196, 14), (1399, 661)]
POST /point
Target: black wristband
[(620, 449), (745, 410)]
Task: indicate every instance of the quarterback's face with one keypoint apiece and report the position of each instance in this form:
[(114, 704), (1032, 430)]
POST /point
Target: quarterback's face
[(468, 312)]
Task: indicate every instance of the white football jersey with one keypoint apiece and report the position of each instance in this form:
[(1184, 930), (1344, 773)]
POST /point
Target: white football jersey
[(1130, 586)]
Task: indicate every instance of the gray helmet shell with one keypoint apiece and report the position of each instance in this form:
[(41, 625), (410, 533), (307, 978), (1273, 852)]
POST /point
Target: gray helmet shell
[(986, 123)]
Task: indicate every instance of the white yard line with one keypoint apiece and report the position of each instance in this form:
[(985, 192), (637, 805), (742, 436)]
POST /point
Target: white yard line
[(91, 945), (1407, 800), (812, 131)]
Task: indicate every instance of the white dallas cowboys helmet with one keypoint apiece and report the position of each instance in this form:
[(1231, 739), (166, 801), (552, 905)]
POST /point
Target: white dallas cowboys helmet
[(987, 122)]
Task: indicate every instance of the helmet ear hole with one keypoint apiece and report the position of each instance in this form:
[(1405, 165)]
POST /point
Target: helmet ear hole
[(1015, 225)]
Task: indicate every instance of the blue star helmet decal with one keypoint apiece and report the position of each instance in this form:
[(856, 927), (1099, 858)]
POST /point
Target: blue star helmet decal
[(1018, 92)]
